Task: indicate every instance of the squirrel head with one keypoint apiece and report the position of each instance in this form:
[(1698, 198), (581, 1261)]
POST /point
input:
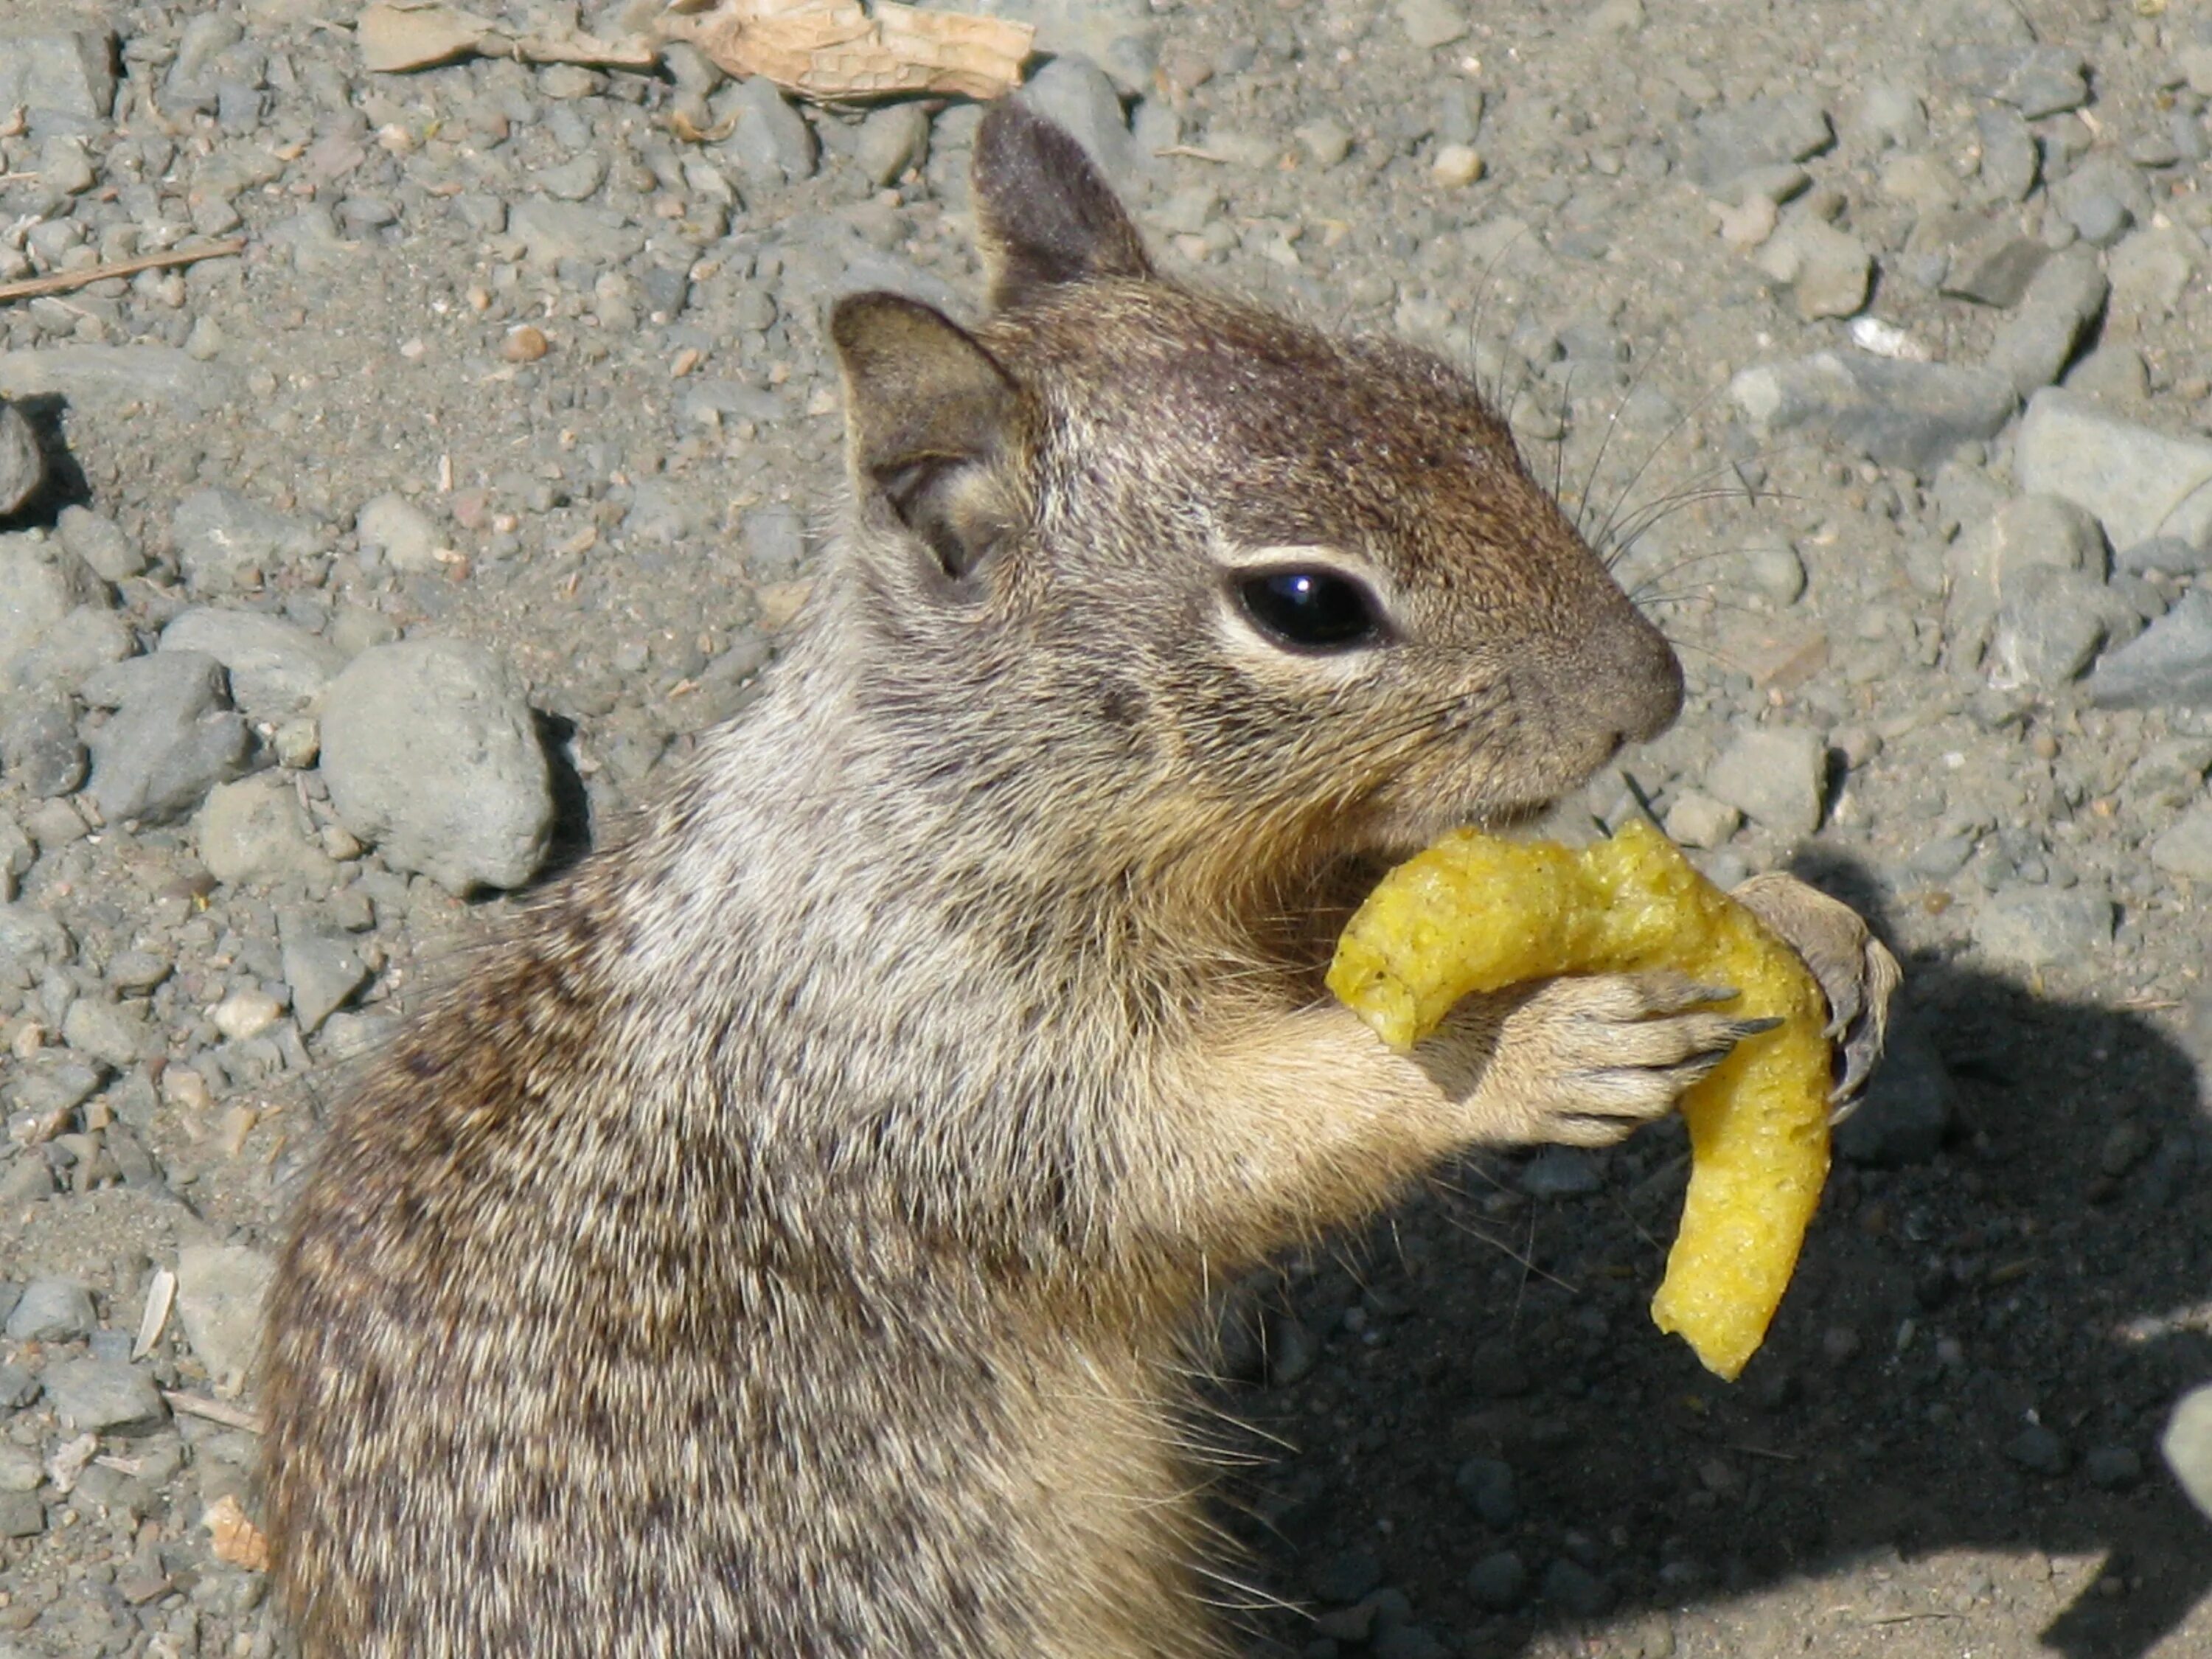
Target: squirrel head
[(1222, 585)]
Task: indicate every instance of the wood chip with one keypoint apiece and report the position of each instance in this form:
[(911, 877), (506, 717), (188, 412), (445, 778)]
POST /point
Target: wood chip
[(214, 1411), (396, 36), (67, 1462), (161, 1294), (839, 50), (237, 1539)]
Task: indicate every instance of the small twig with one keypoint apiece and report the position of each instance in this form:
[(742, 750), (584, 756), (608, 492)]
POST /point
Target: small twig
[(1750, 1450), (216, 1411), (61, 281)]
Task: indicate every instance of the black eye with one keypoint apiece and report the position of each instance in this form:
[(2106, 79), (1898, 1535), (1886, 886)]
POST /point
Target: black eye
[(1312, 610)]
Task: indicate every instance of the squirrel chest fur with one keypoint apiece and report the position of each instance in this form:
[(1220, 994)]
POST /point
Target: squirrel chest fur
[(783, 1243)]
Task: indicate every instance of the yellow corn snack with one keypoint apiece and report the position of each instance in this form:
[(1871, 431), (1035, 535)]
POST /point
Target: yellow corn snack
[(1476, 913)]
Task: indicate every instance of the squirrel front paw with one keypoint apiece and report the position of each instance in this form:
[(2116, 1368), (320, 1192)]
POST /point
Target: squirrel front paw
[(1855, 969), (1582, 1061)]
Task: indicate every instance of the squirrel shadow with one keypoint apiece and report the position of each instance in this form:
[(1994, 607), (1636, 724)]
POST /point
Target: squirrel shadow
[(2046, 1266)]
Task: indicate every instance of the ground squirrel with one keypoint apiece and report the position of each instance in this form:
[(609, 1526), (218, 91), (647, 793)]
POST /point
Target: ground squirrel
[(785, 1242)]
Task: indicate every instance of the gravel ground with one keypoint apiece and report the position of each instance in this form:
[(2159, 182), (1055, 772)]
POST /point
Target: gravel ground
[(354, 578)]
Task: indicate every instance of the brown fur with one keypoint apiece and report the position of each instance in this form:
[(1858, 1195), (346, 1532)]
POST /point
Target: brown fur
[(784, 1244)]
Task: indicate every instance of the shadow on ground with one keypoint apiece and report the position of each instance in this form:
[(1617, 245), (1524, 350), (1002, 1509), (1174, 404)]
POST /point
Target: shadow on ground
[(2048, 1267)]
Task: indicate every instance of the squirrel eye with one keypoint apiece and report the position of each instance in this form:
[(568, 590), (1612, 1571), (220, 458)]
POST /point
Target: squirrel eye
[(1312, 609)]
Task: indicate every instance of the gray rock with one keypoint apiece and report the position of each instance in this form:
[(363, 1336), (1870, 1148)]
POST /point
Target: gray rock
[(892, 139), (18, 1388), (431, 754), (2103, 174), (1907, 1108), (1076, 93), (2010, 161), (2099, 220), (88, 639), (1890, 116), (33, 935), (663, 511), (712, 401), (2113, 1468), (2151, 271), (107, 377), (2039, 1451), (323, 968), (59, 73), (1995, 268), (1562, 1172), (1762, 133), (2064, 298), (21, 1516), (1695, 819), (20, 1469), (2114, 373), (95, 1397), (1828, 270), (255, 830), (16, 854), (550, 232), (769, 139), (219, 1293), (2167, 554), (2050, 625), (1488, 1486), (1988, 563), (100, 542), (1498, 1582), (2037, 80), (1293, 1350), (2168, 665), (2141, 484), (573, 180), (1347, 1576), (1774, 775), (172, 737), (393, 526), (1432, 23), (52, 1309), (311, 237), (52, 1083), (40, 748), (137, 971), (1121, 36), (226, 542), (1899, 413), (275, 667), (2186, 1445), (2186, 849), (23, 462), (37, 591), (776, 543), (116, 1034), (2029, 927), (1575, 1589)]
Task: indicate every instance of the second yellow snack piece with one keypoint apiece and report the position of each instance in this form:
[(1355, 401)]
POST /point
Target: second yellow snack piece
[(1475, 914)]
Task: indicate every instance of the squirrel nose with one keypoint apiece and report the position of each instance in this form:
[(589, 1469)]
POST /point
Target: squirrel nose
[(1650, 677), (1620, 678)]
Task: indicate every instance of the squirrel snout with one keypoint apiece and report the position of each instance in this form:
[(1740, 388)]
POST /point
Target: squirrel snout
[(1619, 684), (1650, 680)]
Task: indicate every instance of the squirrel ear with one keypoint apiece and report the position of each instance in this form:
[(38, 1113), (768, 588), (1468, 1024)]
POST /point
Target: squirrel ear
[(1044, 215), (931, 423)]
